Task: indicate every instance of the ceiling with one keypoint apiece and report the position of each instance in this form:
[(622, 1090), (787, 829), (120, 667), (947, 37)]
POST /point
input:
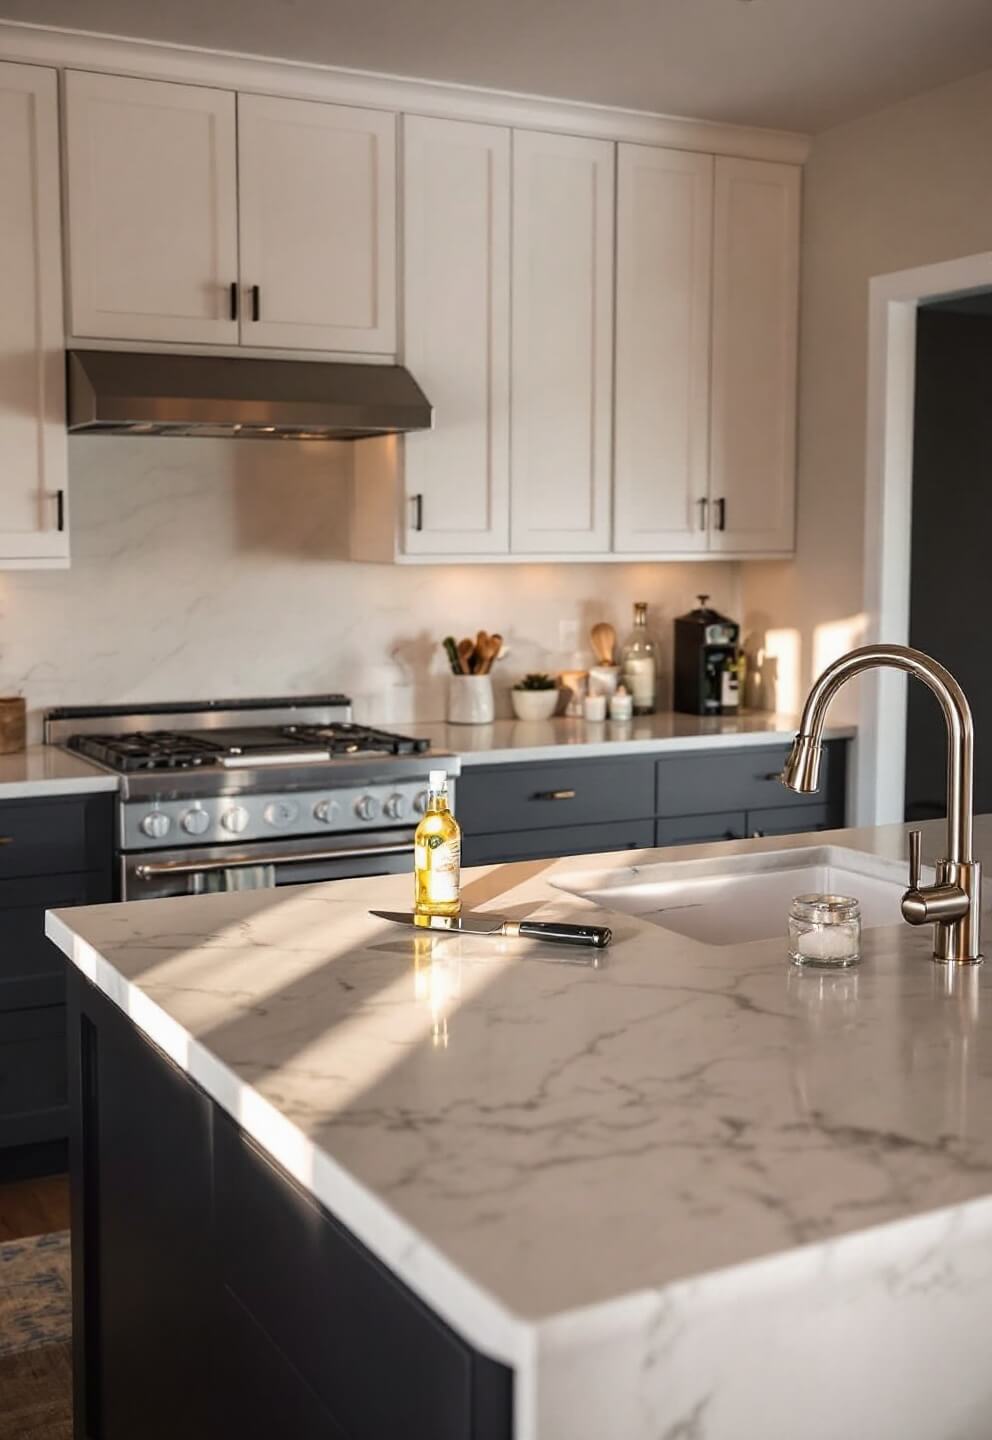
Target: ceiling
[(795, 64)]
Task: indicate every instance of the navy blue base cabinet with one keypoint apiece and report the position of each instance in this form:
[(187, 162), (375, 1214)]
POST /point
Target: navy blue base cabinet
[(214, 1298), (543, 809), (53, 852)]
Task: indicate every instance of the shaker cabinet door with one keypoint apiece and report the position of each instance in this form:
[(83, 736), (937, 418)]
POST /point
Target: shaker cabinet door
[(32, 395), (755, 317), (318, 225), (152, 170), (664, 250), (456, 301), (562, 344)]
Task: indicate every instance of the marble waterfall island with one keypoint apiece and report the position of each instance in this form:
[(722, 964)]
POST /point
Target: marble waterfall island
[(334, 1177)]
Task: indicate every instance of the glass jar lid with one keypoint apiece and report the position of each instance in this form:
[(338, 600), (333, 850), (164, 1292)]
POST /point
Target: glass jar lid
[(825, 909)]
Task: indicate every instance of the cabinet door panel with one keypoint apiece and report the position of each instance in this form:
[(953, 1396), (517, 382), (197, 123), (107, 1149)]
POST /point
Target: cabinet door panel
[(32, 395), (792, 820), (701, 829), (561, 840), (33, 1080), (664, 249), (562, 346), (318, 220), (456, 297), (755, 316), (153, 244)]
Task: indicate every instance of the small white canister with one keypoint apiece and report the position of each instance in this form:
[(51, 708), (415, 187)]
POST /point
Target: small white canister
[(470, 700)]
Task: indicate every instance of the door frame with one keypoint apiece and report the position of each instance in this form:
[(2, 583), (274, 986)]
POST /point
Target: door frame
[(892, 304)]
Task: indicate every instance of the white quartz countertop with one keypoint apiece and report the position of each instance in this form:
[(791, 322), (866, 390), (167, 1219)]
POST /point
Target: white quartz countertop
[(46, 770), (693, 1185), (563, 738)]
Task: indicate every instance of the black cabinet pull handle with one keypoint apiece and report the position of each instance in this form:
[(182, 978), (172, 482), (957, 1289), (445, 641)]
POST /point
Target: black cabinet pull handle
[(772, 775), (418, 511), (555, 795), (234, 299), (256, 302), (704, 506), (721, 514), (60, 509)]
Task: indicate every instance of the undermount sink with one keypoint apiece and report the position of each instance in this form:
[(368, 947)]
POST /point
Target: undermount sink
[(744, 897)]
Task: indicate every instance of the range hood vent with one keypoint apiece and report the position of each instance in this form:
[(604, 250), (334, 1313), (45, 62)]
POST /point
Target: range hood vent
[(117, 392)]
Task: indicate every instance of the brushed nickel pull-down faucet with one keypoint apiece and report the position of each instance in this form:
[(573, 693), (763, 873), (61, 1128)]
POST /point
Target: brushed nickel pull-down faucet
[(953, 904)]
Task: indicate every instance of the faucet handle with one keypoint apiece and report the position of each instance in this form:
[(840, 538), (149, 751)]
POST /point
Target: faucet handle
[(915, 858)]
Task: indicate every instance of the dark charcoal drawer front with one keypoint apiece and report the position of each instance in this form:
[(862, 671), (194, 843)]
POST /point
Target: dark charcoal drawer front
[(737, 780), (366, 1346), (562, 840), (525, 797), (702, 829), (32, 969), (33, 1075), (790, 820), (57, 836)]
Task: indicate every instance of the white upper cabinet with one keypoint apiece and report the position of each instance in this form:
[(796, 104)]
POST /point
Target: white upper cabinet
[(755, 308), (456, 302), (316, 190), (153, 226), (662, 402), (562, 344), (32, 401)]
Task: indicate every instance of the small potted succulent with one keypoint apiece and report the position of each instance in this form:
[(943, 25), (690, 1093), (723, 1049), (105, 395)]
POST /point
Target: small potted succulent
[(535, 697)]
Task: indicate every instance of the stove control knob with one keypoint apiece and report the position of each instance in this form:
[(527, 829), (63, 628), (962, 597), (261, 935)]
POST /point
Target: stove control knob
[(235, 820), (156, 824), (281, 814), (367, 807), (196, 822), (326, 811), (395, 806), (420, 803)]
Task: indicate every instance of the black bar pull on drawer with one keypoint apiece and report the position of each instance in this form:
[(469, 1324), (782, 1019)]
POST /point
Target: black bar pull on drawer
[(60, 510), (256, 302), (234, 299), (721, 514), (418, 511), (554, 795)]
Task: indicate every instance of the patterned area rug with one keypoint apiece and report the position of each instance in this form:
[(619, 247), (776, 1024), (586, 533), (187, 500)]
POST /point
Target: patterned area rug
[(35, 1294)]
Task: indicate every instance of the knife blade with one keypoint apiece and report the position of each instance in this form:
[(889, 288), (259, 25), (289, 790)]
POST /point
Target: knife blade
[(479, 923)]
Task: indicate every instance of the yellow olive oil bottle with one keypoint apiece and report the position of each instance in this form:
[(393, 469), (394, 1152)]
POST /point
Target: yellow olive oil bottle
[(437, 853)]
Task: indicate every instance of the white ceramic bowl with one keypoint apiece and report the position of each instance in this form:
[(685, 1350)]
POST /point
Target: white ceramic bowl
[(534, 704)]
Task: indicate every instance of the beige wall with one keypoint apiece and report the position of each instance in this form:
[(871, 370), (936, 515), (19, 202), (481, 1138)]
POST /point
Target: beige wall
[(218, 567), (904, 187)]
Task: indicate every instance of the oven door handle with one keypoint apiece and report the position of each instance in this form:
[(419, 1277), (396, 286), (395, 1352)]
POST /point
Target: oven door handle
[(153, 870)]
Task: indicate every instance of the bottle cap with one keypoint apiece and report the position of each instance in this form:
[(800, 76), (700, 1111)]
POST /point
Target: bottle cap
[(437, 779)]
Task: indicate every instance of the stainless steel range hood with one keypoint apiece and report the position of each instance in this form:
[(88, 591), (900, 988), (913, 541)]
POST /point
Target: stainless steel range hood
[(117, 392)]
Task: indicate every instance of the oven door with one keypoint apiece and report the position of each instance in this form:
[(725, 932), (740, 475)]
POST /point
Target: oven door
[(199, 870)]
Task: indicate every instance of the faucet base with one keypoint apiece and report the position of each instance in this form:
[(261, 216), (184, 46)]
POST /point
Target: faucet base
[(956, 942)]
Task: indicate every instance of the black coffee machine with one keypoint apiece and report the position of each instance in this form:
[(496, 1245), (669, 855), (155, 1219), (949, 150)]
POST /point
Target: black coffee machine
[(706, 674)]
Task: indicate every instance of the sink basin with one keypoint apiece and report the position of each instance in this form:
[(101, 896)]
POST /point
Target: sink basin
[(745, 897)]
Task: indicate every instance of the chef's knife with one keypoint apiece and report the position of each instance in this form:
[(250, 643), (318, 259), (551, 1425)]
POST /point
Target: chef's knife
[(479, 923)]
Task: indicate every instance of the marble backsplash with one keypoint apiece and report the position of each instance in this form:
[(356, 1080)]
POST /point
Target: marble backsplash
[(205, 568)]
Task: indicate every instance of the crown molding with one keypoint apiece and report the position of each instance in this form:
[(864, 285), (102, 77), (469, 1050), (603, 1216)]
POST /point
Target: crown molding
[(75, 49)]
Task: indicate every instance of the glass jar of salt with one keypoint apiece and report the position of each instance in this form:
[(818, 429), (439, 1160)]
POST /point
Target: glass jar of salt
[(825, 930)]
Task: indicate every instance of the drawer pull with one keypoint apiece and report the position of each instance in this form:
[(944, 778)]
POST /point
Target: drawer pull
[(772, 775), (6, 839), (555, 795)]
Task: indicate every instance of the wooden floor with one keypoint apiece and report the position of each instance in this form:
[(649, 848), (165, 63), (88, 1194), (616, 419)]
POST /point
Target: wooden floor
[(34, 1207)]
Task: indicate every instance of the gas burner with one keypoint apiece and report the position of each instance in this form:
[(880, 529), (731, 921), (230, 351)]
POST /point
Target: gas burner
[(236, 746)]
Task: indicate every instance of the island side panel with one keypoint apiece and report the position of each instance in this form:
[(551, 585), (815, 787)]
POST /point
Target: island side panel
[(213, 1296)]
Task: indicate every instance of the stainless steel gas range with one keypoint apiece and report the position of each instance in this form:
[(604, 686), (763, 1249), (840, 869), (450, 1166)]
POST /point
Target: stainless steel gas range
[(238, 794)]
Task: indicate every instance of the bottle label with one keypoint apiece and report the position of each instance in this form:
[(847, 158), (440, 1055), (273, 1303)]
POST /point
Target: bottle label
[(445, 869)]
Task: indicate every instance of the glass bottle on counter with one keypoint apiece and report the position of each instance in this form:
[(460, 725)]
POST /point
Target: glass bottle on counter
[(639, 663), (437, 853)]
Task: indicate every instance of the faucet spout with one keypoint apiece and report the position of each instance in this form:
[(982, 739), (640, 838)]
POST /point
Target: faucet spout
[(953, 904)]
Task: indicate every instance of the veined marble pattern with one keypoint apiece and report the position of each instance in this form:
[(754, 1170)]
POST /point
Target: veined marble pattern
[(205, 568), (46, 770), (661, 1189)]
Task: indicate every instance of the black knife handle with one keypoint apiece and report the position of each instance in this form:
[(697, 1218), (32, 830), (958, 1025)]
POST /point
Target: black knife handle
[(596, 935)]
